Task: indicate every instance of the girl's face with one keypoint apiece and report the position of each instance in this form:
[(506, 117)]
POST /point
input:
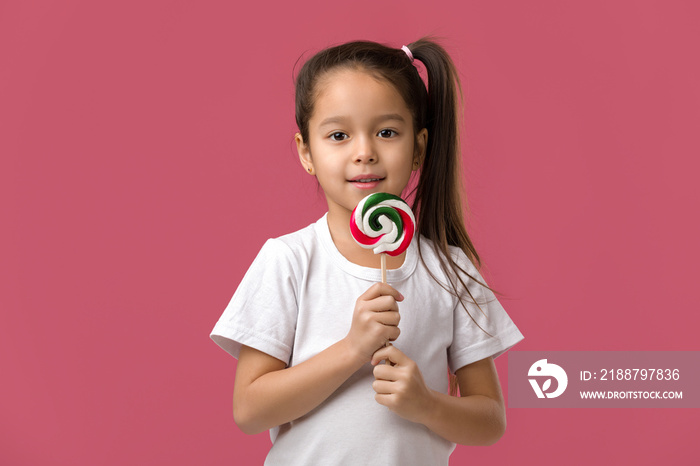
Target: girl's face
[(361, 139)]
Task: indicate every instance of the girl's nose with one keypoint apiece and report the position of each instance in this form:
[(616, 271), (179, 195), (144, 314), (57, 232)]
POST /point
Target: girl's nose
[(365, 152), (365, 157)]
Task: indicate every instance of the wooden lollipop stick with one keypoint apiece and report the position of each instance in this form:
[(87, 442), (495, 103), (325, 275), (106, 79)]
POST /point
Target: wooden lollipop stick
[(383, 267), (383, 255)]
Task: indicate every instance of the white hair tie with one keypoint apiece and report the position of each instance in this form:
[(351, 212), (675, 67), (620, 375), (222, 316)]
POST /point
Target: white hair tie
[(408, 52)]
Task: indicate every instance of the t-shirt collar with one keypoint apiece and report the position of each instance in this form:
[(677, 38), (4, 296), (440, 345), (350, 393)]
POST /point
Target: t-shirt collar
[(365, 273)]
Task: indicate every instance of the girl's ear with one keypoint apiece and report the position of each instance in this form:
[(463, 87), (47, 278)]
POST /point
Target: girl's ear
[(304, 154), (421, 147)]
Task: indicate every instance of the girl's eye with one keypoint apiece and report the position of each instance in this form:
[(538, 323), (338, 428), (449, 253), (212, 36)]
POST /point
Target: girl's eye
[(338, 136), (386, 133)]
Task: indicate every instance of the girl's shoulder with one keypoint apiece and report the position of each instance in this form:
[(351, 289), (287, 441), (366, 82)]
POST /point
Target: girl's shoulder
[(430, 252), (292, 247), (302, 238), (465, 272)]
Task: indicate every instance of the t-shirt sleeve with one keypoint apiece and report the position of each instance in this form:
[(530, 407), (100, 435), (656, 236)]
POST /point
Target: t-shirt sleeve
[(471, 343), (262, 313)]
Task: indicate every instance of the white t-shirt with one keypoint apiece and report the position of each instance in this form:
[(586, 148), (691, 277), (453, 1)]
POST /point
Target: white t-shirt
[(298, 298)]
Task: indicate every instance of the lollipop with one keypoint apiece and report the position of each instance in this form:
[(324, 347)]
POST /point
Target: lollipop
[(383, 222)]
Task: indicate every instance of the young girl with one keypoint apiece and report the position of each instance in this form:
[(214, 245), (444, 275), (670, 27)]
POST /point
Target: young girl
[(310, 320)]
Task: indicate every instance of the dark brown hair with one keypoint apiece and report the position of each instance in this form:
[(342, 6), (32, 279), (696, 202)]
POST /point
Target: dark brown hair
[(438, 195)]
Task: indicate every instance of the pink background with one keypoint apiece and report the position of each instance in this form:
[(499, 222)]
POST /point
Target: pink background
[(146, 154)]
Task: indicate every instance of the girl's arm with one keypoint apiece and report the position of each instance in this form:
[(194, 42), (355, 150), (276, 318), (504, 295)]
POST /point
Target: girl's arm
[(266, 393), (477, 417)]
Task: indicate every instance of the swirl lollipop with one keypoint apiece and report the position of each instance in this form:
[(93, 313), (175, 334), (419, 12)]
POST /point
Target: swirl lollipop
[(383, 222)]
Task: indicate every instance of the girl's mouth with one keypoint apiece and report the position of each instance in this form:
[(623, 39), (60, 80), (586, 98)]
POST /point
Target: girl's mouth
[(366, 183)]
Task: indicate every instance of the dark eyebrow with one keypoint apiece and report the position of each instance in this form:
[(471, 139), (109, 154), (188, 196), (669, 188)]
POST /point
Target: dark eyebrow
[(341, 119)]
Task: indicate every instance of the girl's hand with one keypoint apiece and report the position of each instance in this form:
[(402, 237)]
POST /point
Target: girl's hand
[(401, 387), (375, 320)]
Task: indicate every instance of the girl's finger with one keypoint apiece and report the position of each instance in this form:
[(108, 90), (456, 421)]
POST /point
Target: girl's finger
[(385, 372), (381, 289), (385, 399), (392, 353), (388, 334), (384, 303), (388, 318), (392, 332), (382, 387)]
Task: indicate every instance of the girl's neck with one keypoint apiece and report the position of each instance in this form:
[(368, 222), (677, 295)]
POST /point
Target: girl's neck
[(339, 226)]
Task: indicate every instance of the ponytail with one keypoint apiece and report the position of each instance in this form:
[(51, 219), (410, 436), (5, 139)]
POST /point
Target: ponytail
[(440, 192)]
